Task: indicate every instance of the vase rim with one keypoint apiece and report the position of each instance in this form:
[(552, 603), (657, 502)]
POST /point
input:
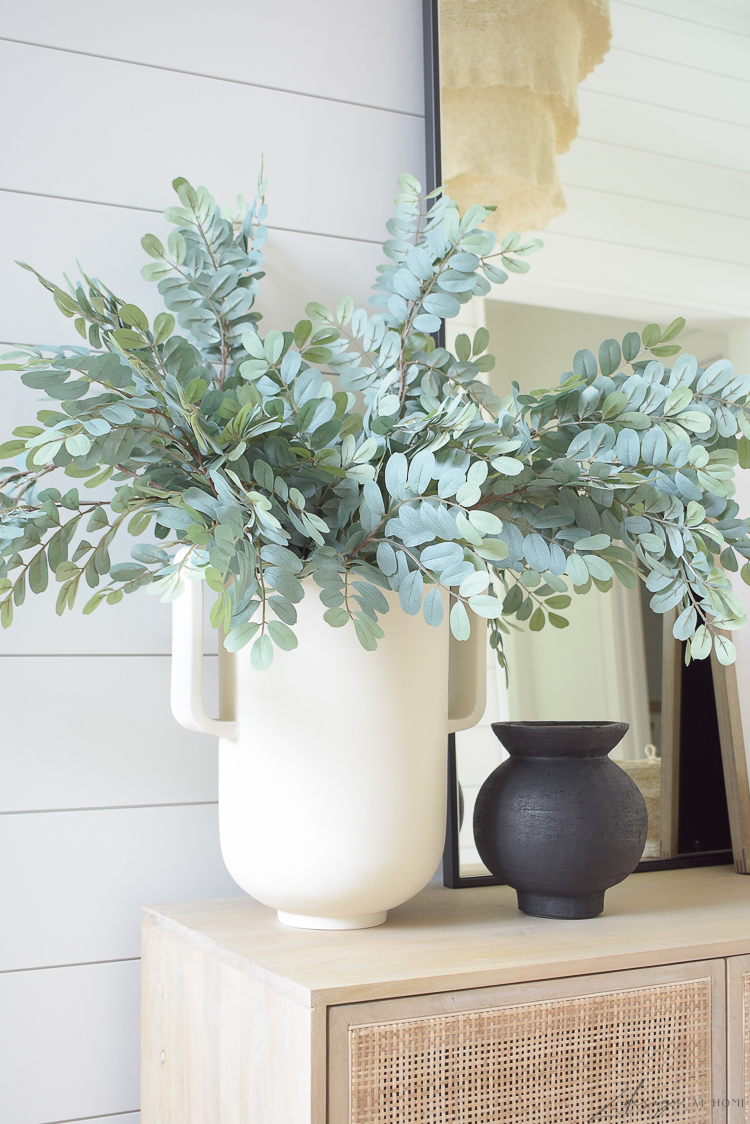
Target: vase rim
[(560, 723), (560, 739)]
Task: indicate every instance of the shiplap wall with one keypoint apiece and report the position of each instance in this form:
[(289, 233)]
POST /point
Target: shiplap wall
[(107, 804), (658, 180)]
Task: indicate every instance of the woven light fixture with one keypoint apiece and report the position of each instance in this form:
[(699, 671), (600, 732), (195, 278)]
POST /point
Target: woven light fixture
[(510, 71)]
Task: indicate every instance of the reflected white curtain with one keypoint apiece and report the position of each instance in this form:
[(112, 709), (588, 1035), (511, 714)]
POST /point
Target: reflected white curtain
[(510, 71)]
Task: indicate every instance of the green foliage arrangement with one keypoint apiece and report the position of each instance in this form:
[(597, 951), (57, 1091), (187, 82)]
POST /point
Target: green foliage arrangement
[(406, 473)]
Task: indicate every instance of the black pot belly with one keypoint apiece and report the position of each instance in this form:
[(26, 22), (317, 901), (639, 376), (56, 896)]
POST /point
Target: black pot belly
[(559, 821)]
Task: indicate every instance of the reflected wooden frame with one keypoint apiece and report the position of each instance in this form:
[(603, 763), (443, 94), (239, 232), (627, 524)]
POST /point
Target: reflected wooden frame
[(731, 738)]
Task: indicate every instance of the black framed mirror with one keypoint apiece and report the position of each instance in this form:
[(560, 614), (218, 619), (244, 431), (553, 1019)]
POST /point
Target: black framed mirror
[(678, 746)]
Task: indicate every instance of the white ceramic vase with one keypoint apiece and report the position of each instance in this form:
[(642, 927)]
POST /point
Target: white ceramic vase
[(332, 764)]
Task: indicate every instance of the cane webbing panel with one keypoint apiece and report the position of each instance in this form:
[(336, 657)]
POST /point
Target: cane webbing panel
[(635, 1055)]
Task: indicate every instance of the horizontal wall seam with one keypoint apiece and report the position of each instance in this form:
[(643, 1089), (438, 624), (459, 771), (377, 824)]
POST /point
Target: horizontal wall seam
[(664, 155), (677, 62), (684, 19), (666, 108), (99, 1116), (86, 655), (156, 211), (81, 964), (658, 202), (210, 77), (109, 808), (654, 249)]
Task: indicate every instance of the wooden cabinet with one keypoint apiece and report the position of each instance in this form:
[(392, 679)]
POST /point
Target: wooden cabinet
[(738, 1045), (596, 1049), (459, 1011)]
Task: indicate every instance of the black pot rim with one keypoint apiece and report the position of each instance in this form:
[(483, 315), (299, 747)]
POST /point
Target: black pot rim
[(557, 739), (561, 723)]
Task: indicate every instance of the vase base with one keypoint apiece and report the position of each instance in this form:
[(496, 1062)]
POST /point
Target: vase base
[(564, 909), (302, 921)]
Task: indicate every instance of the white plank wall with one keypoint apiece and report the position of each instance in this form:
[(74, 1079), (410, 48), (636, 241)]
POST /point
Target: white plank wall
[(105, 803), (658, 180)]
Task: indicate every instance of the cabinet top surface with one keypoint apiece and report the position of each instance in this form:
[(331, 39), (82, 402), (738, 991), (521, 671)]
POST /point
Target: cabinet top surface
[(445, 940)]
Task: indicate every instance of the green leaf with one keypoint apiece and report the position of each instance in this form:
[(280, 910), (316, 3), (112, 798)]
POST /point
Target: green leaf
[(463, 347), (261, 654), (700, 644), (65, 571), (662, 352), (98, 519), (609, 357), (6, 612), (336, 617), (93, 603), (78, 445), (743, 450), (302, 332), (486, 606), (432, 609), (481, 341), (177, 246), (344, 310), (282, 635), (673, 330), (631, 345), (12, 449), (128, 340), (459, 622), (38, 573), (133, 317), (726, 653), (651, 334), (318, 312), (163, 327), (240, 636), (536, 624), (195, 390), (614, 404), (317, 355), (154, 271), (152, 246), (557, 621)]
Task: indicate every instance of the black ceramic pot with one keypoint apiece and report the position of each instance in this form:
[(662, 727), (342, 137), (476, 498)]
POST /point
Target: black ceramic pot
[(559, 821)]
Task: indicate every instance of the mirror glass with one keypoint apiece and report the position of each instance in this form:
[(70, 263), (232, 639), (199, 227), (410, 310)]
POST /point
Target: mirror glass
[(493, 68), (608, 663)]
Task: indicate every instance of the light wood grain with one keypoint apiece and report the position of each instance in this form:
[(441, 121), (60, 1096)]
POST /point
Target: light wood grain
[(235, 1052), (454, 939), (342, 1018), (738, 1040), (734, 761)]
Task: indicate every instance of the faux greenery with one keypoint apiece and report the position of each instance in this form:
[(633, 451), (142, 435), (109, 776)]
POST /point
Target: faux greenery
[(405, 473)]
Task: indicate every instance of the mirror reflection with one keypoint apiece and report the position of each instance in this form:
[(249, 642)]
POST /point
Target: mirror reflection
[(608, 663)]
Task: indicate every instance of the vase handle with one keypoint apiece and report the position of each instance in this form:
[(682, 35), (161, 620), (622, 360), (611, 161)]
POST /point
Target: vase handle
[(187, 664), (467, 677)]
